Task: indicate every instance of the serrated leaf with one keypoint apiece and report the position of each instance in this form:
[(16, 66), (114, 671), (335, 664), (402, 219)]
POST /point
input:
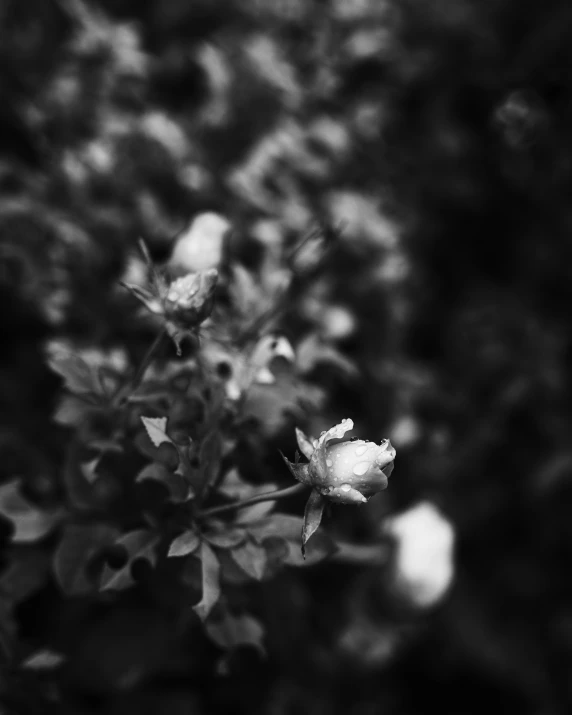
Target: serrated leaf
[(79, 544), (225, 538), (211, 582), (312, 516), (254, 512), (185, 544), (156, 428), (284, 526), (178, 488), (139, 544), (251, 558), (29, 521), (234, 631), (43, 660), (80, 378)]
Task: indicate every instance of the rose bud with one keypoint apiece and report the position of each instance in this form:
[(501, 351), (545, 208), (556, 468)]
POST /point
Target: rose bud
[(184, 303), (345, 472), (190, 299)]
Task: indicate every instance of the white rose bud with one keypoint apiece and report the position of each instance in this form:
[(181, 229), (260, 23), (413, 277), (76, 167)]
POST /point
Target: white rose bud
[(200, 247), (423, 568)]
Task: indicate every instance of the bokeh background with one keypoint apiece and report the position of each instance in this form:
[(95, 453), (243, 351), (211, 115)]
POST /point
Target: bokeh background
[(438, 135)]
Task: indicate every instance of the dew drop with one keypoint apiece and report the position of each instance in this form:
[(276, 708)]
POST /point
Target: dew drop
[(361, 468), (361, 450), (329, 463), (345, 487)]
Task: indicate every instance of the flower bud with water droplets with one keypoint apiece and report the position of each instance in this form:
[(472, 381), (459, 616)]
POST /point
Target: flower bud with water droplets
[(190, 299), (345, 472)]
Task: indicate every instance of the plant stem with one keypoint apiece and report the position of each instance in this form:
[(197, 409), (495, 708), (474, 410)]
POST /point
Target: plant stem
[(266, 496), (135, 381)]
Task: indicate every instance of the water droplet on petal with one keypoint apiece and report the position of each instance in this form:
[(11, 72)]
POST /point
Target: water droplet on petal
[(329, 463), (361, 468), (345, 487), (361, 450)]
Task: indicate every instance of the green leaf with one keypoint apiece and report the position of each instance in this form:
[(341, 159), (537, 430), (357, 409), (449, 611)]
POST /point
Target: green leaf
[(254, 512), (313, 351), (25, 573), (234, 487), (79, 544), (273, 405), (211, 583), (245, 292), (285, 526), (231, 632), (30, 522), (80, 377), (157, 430), (312, 516), (43, 660), (139, 544), (89, 469), (178, 488), (210, 455), (225, 538), (184, 544), (73, 410), (251, 558)]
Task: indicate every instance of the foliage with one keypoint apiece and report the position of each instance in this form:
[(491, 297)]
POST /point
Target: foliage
[(382, 190)]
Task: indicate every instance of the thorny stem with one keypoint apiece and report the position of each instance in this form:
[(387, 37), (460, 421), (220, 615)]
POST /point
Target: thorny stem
[(135, 381), (266, 496)]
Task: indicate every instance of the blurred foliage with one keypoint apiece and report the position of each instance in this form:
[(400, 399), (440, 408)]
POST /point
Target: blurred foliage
[(430, 143)]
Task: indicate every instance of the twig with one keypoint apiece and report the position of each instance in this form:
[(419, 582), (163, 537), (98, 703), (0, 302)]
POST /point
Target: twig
[(135, 381), (266, 496)]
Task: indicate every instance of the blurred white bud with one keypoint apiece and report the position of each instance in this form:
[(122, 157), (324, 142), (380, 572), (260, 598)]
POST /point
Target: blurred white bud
[(200, 247), (405, 431), (337, 323), (423, 568)]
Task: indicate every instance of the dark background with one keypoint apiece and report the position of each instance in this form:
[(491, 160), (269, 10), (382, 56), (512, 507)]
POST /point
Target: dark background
[(440, 132)]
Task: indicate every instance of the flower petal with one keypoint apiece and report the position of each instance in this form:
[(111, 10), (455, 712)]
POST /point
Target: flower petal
[(336, 432)]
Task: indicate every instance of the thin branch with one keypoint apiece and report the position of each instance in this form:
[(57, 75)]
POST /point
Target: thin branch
[(266, 496), (135, 381)]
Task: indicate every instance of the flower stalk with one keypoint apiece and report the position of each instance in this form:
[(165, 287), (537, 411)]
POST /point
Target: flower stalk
[(275, 495)]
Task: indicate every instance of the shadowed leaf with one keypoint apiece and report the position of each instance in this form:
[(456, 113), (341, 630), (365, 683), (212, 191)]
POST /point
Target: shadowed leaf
[(184, 544), (79, 544), (139, 544), (234, 631), (312, 517), (211, 584), (251, 558), (29, 521)]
